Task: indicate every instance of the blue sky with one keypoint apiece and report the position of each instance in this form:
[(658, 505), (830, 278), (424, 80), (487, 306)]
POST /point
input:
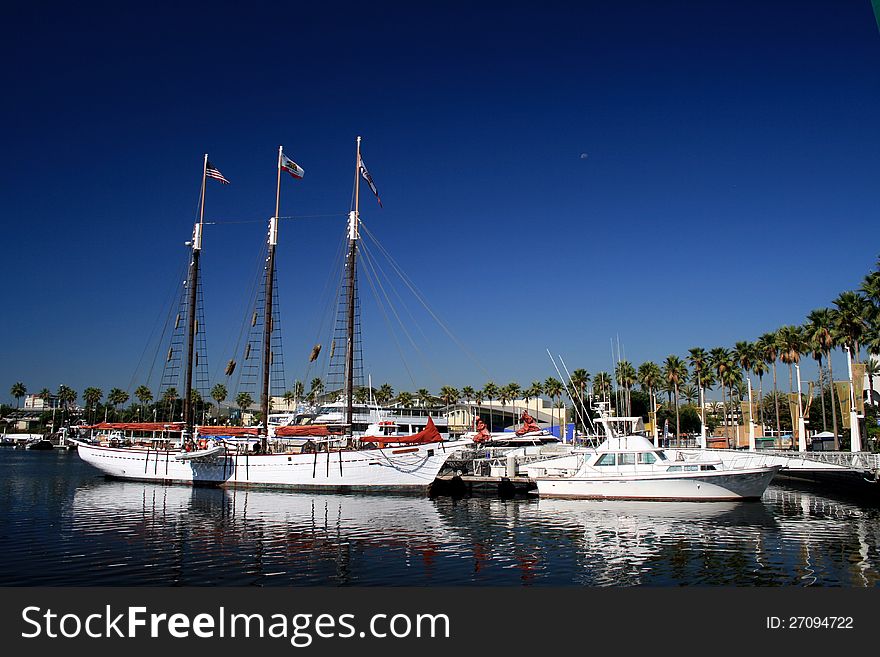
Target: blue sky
[(676, 174)]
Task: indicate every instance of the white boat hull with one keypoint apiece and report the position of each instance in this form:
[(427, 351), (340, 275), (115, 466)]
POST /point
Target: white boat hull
[(703, 486), (406, 468)]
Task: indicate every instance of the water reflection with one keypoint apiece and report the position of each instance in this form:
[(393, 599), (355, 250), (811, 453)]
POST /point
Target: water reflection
[(214, 536), (62, 525)]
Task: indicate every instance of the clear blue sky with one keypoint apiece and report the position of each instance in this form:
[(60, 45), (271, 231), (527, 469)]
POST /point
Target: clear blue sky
[(554, 175)]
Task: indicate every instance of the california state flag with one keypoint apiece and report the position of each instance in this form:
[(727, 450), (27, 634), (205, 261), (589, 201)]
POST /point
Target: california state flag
[(291, 167)]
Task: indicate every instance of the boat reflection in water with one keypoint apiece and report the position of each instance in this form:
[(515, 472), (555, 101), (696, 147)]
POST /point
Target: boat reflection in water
[(134, 533), (177, 535)]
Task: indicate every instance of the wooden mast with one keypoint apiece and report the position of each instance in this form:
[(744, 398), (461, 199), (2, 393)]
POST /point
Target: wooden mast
[(353, 220), (193, 286), (267, 320)]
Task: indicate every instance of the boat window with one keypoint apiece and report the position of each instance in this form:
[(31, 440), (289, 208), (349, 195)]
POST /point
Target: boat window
[(707, 467), (647, 457), (606, 459), (626, 459), (662, 456), (673, 468), (691, 468)]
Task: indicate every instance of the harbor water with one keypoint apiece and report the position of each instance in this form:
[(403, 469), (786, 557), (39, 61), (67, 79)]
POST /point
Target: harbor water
[(63, 524)]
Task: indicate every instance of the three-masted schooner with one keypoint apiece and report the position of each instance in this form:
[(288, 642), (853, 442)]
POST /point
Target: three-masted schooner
[(338, 463)]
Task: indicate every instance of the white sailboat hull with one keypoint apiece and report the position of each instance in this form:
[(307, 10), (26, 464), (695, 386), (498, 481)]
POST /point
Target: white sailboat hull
[(722, 485), (405, 468)]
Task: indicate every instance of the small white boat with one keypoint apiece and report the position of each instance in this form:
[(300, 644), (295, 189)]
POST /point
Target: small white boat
[(205, 453), (630, 467)]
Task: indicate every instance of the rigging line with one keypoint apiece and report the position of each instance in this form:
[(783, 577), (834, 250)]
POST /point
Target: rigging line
[(403, 303), (371, 261), (227, 222), (577, 397), (175, 295), (330, 310), (252, 301), (244, 305), (425, 361), (388, 323), (424, 303)]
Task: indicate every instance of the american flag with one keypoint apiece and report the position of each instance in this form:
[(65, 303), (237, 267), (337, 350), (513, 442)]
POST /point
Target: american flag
[(369, 179), (212, 172)]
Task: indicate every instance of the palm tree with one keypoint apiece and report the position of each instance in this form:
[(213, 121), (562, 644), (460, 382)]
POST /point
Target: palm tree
[(425, 398), (759, 367), (299, 390), (814, 348), (675, 371), (405, 399), (219, 394), (649, 376), (791, 345), (467, 395), (769, 352), (115, 397), (316, 388), (384, 394), (143, 394), (850, 320), (289, 396), (699, 361), (91, 396), (580, 379), (513, 390), (169, 397), (490, 392), (18, 391), (625, 374), (533, 392), (66, 395), (602, 384), (690, 393), (746, 355), (362, 395), (449, 395), (553, 387), (721, 361), (243, 400), (503, 398)]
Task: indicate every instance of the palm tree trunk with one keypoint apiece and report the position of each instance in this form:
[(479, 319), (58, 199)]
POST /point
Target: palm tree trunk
[(677, 423), (790, 391), (724, 408), (822, 393), (761, 398), (833, 401), (776, 401)]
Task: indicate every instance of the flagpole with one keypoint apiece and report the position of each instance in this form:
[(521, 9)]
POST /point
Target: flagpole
[(278, 185), (352, 254), (193, 286), (267, 320)]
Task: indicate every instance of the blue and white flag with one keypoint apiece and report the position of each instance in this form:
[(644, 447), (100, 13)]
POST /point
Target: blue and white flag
[(369, 179)]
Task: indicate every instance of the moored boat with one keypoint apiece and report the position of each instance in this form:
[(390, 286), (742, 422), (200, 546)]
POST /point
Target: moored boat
[(631, 467), (258, 456)]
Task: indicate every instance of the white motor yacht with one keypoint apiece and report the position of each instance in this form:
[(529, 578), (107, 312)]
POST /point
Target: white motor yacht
[(631, 467)]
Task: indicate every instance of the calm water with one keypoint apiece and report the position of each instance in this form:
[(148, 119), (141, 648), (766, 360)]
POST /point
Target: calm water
[(62, 523)]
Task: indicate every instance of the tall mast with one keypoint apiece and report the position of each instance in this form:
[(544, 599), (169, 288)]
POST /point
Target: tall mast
[(353, 219), (193, 286), (267, 321)]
